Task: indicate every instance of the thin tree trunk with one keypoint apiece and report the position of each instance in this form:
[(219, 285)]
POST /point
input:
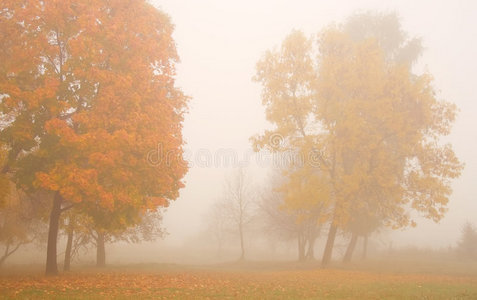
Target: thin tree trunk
[(329, 245), (365, 247), (51, 253), (8, 252), (5, 255), (310, 254), (242, 247), (351, 246), (219, 249), (2, 260), (301, 247), (100, 251), (69, 244)]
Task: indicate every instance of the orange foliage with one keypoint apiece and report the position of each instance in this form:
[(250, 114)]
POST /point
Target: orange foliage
[(199, 284), (90, 87)]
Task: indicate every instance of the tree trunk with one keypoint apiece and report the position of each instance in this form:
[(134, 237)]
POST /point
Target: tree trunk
[(242, 247), (301, 247), (329, 245), (100, 251), (69, 244), (310, 254), (7, 252), (2, 260), (51, 263), (219, 249), (349, 251), (365, 247)]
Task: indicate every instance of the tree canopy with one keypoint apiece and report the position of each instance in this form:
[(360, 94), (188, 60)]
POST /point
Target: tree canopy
[(367, 127), (87, 91)]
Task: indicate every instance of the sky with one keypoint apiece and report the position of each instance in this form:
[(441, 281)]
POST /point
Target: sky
[(219, 43)]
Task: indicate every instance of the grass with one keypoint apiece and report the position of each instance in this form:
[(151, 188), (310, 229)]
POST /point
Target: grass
[(240, 281)]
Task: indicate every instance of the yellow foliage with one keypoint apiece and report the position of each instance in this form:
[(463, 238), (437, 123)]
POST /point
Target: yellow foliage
[(376, 126)]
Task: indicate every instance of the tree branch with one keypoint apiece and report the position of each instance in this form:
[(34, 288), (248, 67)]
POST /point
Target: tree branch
[(67, 207)]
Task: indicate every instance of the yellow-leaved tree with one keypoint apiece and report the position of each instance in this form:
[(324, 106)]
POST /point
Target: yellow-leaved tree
[(365, 125)]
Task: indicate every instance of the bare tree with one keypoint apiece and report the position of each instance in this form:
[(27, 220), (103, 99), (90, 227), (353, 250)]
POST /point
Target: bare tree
[(20, 222), (82, 232), (217, 225), (237, 204)]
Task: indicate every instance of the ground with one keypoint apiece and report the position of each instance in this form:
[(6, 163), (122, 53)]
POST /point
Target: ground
[(241, 281)]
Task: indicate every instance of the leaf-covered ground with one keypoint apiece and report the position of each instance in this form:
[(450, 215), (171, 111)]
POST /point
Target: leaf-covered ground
[(241, 284)]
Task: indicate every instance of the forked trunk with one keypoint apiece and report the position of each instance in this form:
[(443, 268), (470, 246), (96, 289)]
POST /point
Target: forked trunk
[(69, 245), (310, 252)]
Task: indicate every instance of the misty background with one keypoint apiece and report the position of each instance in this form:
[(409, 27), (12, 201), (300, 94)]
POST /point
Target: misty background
[(219, 43)]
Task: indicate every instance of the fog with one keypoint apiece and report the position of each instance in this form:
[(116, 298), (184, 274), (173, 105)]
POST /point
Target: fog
[(219, 44)]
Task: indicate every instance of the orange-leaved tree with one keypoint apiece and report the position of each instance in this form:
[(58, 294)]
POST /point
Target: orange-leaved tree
[(88, 92)]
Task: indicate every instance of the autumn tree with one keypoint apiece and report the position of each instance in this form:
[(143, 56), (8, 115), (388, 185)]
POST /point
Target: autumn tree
[(360, 225), (4, 181), (385, 123), (76, 226), (306, 193), (83, 232), (396, 45), (286, 75), (147, 227), (374, 124), (87, 92), (397, 48), (20, 223), (284, 221), (73, 241), (278, 223)]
